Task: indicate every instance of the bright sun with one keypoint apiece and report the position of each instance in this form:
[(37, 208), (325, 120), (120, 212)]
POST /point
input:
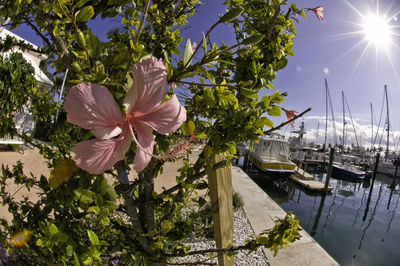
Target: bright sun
[(377, 31)]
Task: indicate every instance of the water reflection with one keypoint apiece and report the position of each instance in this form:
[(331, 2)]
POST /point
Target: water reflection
[(357, 223)]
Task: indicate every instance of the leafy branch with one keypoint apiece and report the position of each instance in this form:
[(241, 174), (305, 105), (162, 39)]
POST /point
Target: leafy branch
[(287, 122)]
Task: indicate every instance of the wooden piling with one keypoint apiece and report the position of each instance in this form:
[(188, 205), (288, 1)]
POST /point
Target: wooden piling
[(245, 160), (375, 168), (328, 175), (220, 185), (371, 187), (395, 173)]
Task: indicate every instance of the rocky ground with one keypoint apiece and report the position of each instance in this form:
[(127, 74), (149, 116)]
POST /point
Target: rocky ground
[(242, 230)]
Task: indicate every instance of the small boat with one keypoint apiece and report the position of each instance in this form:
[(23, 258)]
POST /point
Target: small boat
[(388, 168), (271, 154), (347, 172)]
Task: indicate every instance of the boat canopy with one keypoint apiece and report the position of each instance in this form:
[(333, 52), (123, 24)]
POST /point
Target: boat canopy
[(272, 148)]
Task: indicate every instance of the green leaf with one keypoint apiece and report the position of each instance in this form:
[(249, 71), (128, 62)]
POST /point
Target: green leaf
[(188, 128), (94, 209), (204, 45), (280, 64), (84, 14), (270, 86), (100, 185), (253, 39), (39, 242), (166, 226), (263, 121), (83, 195), (230, 148), (232, 14), (104, 243), (248, 93), (202, 202), (188, 53), (276, 98), (69, 250), (274, 111), (93, 237), (80, 54), (229, 98), (58, 10), (201, 135), (87, 260), (76, 260), (53, 230), (294, 7), (80, 39), (208, 96), (200, 186), (80, 3), (93, 44), (211, 64)]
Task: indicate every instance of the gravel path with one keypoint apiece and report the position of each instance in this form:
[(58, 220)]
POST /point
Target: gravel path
[(242, 229)]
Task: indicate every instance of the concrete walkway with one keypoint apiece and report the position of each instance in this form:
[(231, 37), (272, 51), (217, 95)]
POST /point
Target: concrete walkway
[(261, 211)]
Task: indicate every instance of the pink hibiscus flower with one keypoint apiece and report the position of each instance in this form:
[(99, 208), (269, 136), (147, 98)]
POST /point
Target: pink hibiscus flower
[(92, 106), (318, 12), (290, 114)]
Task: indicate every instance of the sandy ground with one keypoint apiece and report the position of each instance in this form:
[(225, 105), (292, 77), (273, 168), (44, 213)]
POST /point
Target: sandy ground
[(34, 163)]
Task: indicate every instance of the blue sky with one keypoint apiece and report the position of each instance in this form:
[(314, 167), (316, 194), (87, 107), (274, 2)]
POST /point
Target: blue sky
[(330, 50), (335, 49)]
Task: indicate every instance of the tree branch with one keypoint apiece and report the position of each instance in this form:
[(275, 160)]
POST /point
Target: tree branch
[(27, 21), (130, 203), (146, 8), (211, 85), (287, 122), (195, 177)]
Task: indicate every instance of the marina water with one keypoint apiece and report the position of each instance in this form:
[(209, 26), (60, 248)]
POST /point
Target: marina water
[(355, 224)]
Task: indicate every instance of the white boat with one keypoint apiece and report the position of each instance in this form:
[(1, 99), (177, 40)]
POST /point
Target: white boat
[(388, 168), (271, 154), (347, 172)]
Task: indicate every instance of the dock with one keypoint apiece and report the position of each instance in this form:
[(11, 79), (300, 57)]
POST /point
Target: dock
[(261, 211), (302, 174), (301, 177), (309, 184)]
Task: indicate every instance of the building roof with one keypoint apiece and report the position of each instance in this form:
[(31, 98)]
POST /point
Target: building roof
[(30, 56)]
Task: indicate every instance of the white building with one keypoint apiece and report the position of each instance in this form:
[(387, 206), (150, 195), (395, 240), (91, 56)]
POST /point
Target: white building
[(24, 121)]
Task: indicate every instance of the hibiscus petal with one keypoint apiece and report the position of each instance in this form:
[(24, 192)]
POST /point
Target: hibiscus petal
[(92, 106), (146, 141), (167, 117), (95, 156), (149, 86)]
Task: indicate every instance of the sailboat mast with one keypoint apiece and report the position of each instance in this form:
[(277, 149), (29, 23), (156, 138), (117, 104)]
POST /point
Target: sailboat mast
[(344, 123), (372, 127), (326, 112), (388, 124)]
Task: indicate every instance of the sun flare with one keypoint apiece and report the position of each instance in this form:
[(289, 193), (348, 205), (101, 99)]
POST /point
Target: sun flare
[(377, 30)]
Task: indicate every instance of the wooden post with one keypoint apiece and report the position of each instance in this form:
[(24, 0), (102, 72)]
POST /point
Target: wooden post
[(371, 187), (397, 161), (328, 174), (246, 160), (220, 185), (376, 168)]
